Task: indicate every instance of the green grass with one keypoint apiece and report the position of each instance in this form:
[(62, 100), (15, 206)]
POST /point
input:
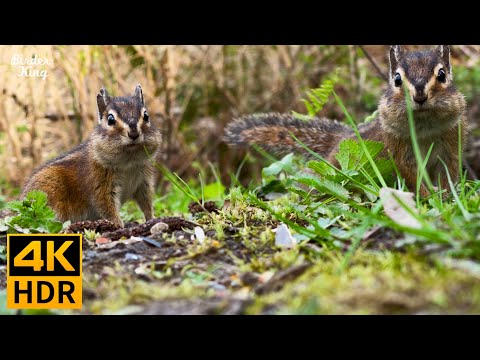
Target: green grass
[(335, 210), (362, 261), (350, 194)]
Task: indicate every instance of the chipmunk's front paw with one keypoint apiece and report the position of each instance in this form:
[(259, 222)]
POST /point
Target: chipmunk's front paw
[(424, 192)]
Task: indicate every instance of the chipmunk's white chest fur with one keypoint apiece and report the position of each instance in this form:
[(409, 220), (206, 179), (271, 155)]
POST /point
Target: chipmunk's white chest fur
[(128, 180), (439, 152)]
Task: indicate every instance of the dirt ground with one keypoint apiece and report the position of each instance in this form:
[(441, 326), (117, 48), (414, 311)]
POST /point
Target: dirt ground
[(177, 252), (177, 271), (136, 254)]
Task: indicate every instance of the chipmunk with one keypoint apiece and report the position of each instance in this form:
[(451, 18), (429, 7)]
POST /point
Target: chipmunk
[(95, 178), (438, 110)]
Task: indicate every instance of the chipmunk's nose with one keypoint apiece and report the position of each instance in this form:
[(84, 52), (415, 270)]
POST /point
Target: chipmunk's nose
[(420, 99), (133, 136), (133, 133)]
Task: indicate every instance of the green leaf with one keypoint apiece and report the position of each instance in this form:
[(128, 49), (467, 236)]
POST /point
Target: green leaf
[(385, 167), (15, 205), (285, 164), (214, 191), (370, 195), (54, 227), (317, 98), (351, 155), (22, 129), (302, 117), (276, 186), (34, 215), (37, 198), (371, 117), (324, 186), (321, 168), (3, 224), (373, 147), (327, 222)]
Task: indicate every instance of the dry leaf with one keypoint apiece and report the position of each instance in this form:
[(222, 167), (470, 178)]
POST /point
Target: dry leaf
[(396, 211), (111, 244)]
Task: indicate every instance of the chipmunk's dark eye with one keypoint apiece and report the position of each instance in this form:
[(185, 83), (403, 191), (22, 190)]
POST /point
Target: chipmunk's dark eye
[(145, 116), (441, 75), (111, 120), (398, 79)]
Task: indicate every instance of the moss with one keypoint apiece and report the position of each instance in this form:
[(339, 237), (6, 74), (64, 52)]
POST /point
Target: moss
[(375, 283), (116, 292)]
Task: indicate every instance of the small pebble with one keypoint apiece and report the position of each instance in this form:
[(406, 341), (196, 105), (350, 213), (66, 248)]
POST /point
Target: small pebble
[(264, 277), (158, 228), (216, 286), (283, 237), (131, 256), (199, 234), (102, 240)]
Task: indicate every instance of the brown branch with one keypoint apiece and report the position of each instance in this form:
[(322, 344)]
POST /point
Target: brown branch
[(372, 61), (17, 101)]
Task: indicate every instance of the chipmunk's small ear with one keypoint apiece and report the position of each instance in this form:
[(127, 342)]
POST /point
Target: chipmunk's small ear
[(444, 53), (139, 93), (396, 53), (103, 99)]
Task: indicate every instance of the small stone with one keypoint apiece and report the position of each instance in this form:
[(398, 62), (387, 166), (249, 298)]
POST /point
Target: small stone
[(266, 276), (102, 240), (141, 270), (158, 228), (199, 234), (89, 254), (152, 242), (283, 237), (216, 286), (131, 257), (249, 278)]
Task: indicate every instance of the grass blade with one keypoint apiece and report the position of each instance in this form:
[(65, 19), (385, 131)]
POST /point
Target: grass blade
[(362, 143)]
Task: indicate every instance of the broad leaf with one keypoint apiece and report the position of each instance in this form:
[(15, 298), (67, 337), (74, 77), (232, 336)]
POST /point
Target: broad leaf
[(324, 186), (285, 164)]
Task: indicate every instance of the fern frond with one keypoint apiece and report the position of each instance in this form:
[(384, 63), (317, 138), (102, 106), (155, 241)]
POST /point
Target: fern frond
[(317, 98)]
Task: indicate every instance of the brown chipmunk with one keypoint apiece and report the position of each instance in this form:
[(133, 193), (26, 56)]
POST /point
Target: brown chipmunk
[(438, 109), (95, 178)]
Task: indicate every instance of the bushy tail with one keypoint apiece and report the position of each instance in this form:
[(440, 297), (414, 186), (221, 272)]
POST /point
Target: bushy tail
[(272, 132)]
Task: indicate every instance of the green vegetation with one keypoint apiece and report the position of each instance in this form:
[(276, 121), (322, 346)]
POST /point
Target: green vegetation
[(351, 256), (359, 259), (33, 216)]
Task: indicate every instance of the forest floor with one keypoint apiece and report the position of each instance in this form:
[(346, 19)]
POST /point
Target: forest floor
[(238, 269), (310, 239)]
